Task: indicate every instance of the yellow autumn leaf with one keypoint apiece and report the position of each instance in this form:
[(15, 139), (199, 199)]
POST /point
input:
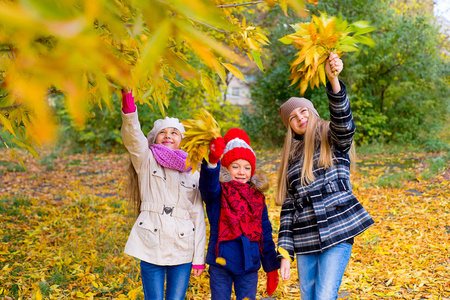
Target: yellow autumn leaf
[(153, 50), (284, 253), (220, 71), (38, 295), (252, 44), (6, 125), (208, 85), (235, 71), (221, 261), (133, 294)]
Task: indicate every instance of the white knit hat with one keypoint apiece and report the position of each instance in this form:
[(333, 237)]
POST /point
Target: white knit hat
[(161, 124)]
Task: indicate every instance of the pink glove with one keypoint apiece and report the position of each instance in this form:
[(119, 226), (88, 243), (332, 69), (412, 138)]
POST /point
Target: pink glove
[(128, 105), (272, 281), (201, 267), (216, 148)]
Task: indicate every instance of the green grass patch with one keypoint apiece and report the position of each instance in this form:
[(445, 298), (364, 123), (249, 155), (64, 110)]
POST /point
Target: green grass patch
[(10, 166), (395, 180), (45, 288), (436, 166), (49, 161), (12, 207)]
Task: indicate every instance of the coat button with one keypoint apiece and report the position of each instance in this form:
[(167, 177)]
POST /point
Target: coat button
[(154, 172), (156, 230), (140, 223), (193, 229), (182, 234), (193, 185), (182, 182)]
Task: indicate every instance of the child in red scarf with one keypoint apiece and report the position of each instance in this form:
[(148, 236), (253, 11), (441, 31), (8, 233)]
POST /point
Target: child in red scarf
[(240, 231)]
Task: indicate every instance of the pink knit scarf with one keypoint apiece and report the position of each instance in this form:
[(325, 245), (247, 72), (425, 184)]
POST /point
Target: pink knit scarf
[(168, 158)]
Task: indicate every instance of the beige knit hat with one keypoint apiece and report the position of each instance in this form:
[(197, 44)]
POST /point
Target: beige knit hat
[(161, 124), (294, 102)]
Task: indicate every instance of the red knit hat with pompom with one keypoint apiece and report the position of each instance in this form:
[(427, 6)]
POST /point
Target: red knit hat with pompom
[(238, 147)]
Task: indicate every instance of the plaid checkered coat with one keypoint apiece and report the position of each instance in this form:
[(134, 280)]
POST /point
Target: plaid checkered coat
[(333, 214)]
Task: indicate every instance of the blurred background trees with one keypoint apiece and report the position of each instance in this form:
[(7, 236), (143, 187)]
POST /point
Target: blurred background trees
[(399, 89)]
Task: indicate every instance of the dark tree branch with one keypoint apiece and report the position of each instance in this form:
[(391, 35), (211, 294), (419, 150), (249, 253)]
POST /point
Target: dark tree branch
[(3, 141), (382, 97), (204, 24), (389, 70), (11, 53), (11, 107), (240, 4)]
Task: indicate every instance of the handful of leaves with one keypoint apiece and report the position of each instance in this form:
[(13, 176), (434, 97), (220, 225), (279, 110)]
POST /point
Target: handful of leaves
[(199, 132), (316, 40)]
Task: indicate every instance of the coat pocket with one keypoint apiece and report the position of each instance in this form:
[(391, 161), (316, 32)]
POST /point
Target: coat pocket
[(189, 187), (186, 238), (189, 183), (158, 175), (149, 233)]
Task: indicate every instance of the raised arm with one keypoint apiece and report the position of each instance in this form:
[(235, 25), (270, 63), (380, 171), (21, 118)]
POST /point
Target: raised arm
[(209, 183), (342, 126), (132, 135), (333, 67)]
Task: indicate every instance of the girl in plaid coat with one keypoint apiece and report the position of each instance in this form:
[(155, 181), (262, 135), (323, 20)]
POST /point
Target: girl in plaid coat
[(320, 216)]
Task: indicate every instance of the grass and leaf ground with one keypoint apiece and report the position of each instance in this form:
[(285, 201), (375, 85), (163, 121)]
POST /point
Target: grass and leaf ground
[(64, 224)]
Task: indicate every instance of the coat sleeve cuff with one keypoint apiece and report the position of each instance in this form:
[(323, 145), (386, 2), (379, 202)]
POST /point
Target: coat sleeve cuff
[(199, 267), (211, 166), (340, 96)]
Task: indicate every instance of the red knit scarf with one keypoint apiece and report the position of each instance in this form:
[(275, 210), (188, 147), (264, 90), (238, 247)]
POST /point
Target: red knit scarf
[(240, 213)]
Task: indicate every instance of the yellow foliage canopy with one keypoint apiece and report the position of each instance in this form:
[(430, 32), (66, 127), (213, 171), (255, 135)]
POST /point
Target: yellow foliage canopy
[(86, 49)]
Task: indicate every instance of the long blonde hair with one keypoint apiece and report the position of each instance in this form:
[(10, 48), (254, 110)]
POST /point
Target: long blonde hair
[(316, 135), (132, 189)]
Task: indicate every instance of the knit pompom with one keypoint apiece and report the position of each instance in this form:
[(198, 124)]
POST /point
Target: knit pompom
[(238, 147), (236, 133)]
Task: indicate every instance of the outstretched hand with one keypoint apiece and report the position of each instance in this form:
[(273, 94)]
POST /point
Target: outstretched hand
[(216, 149), (285, 269), (272, 282), (333, 67), (197, 272), (126, 89)]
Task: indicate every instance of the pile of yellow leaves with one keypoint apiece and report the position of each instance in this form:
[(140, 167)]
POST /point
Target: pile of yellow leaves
[(65, 223), (199, 132), (316, 40)]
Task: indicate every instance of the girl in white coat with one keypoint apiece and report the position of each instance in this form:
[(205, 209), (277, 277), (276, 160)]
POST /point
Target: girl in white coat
[(169, 233)]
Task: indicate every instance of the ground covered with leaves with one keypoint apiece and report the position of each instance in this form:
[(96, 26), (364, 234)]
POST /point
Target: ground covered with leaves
[(64, 224)]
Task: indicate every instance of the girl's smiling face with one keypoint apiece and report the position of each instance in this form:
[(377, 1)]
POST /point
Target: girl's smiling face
[(298, 120), (240, 170), (169, 137)]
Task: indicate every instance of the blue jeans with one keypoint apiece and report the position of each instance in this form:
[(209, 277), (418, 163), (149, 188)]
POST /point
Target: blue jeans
[(221, 282), (154, 276), (321, 274)]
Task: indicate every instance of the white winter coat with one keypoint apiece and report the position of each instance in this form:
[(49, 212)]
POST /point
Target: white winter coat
[(163, 237)]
